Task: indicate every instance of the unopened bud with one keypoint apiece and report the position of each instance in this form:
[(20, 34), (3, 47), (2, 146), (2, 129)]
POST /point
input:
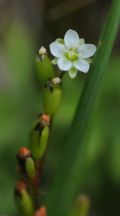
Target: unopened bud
[(22, 155), (44, 67), (41, 212), (20, 187), (82, 206), (56, 81), (42, 51), (45, 120), (39, 136), (83, 199), (23, 199), (52, 95), (30, 167)]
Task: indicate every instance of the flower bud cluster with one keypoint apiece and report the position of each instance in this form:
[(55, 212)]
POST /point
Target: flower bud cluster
[(30, 167), (71, 54), (30, 160)]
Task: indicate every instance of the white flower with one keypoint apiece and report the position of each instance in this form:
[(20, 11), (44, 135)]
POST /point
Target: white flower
[(72, 54)]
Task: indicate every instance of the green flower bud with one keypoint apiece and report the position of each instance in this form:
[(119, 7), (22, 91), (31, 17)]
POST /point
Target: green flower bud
[(44, 67), (23, 199), (39, 137), (30, 167), (52, 95), (82, 206)]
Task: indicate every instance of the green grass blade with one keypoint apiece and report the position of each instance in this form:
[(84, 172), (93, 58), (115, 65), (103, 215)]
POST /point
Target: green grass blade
[(73, 163)]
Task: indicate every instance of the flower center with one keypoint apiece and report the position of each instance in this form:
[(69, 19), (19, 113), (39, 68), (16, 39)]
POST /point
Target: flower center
[(71, 54)]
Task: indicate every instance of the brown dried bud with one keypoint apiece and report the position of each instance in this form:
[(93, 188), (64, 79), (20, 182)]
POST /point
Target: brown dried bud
[(24, 152), (41, 211), (43, 120), (20, 187), (22, 155)]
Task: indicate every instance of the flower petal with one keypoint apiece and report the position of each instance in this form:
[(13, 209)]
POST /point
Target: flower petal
[(71, 39), (72, 72), (57, 49), (87, 50), (64, 64), (81, 65)]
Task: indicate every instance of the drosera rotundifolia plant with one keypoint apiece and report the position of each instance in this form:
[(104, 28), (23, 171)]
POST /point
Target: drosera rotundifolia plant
[(71, 55)]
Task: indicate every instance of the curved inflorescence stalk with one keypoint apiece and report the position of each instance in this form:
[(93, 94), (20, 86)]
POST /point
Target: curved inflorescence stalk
[(72, 55)]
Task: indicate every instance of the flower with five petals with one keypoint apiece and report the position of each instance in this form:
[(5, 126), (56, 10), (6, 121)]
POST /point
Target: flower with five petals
[(72, 54)]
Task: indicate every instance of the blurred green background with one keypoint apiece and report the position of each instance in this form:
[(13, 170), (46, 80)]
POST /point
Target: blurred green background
[(24, 27)]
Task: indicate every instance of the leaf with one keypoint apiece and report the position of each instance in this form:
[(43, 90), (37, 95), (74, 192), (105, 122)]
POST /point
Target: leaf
[(73, 164)]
